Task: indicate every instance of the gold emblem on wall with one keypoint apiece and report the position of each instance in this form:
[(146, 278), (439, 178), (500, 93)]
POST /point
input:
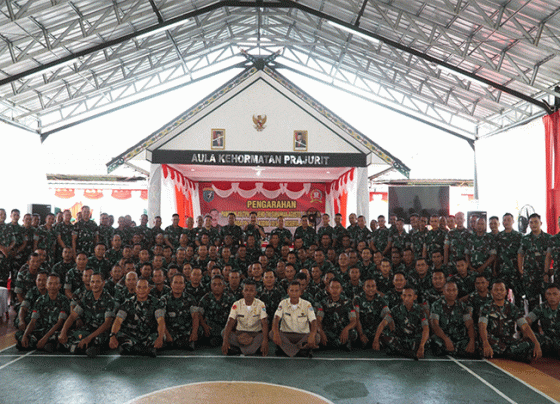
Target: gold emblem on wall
[(259, 122)]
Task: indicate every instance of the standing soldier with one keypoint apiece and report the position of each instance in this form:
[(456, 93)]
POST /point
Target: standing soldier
[(338, 231), (7, 241), (105, 232), (435, 238), (284, 234), (172, 233), (45, 238), (64, 234), (181, 316), (96, 309), (456, 240), (139, 327), (233, 230), (144, 231), (508, 242), (305, 232), (418, 237), (496, 326), (481, 250), (533, 260), (84, 235)]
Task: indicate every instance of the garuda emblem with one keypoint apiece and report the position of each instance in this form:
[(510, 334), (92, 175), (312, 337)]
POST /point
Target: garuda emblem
[(259, 122)]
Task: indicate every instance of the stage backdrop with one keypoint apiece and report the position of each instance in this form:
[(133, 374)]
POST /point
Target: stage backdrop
[(268, 199)]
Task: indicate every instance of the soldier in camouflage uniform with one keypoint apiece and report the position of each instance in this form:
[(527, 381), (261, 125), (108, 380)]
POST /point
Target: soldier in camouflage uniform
[(370, 308), (181, 316), (26, 277), (325, 228), (496, 325), (284, 235), (7, 241), (64, 234), (214, 308), (271, 293), (418, 237), (96, 309), (45, 238), (26, 308), (231, 229), (411, 330), (481, 250), (49, 313), (421, 278), (479, 298), (336, 318), (338, 231), (548, 315), (172, 233), (399, 238), (74, 277), (98, 262), (254, 229), (305, 232), (125, 291), (139, 327), (534, 257), (84, 234), (464, 280), (435, 238), (380, 237), (452, 325), (508, 242), (394, 296), (145, 232), (456, 240), (105, 232)]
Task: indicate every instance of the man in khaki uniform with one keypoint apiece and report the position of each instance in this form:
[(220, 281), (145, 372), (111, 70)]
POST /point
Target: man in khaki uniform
[(251, 332), (298, 331)]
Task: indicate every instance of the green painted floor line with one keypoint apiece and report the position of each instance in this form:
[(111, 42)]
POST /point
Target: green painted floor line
[(39, 378)]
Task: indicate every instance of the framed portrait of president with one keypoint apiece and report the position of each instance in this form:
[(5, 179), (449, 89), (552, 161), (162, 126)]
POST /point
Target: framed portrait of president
[(218, 139), (300, 140)]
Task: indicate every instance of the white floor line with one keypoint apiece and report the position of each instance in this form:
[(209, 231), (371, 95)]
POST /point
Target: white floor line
[(509, 400), (5, 349), (15, 360), (523, 382)]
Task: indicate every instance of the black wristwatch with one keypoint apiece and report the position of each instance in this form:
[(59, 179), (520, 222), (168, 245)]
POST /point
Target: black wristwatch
[(112, 335)]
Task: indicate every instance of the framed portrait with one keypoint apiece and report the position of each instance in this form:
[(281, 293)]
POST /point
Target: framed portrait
[(218, 139), (300, 140)]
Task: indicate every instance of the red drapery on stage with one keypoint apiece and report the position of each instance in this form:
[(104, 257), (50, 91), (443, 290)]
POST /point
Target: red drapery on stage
[(552, 144), (339, 191), (183, 193)]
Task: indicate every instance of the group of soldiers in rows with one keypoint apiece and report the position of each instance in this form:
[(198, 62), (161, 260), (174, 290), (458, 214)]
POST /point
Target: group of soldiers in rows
[(445, 288)]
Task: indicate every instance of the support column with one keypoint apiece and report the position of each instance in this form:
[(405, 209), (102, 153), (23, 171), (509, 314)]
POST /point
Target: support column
[(552, 145), (154, 192), (362, 192)]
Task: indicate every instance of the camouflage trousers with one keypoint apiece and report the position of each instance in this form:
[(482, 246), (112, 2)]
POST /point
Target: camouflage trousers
[(509, 347), (513, 282), (534, 289), (400, 344), (333, 339), (550, 346), (180, 337), (136, 343), (34, 338), (460, 345), (74, 338)]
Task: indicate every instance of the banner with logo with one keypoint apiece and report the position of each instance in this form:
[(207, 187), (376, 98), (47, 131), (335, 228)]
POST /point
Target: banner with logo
[(268, 199)]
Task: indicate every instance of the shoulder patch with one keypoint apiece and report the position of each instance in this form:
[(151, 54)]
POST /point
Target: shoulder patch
[(234, 306)]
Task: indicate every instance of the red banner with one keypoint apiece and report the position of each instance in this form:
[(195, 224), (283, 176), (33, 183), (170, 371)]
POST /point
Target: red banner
[(269, 200)]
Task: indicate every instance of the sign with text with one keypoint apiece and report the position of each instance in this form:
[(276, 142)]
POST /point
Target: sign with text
[(267, 209)]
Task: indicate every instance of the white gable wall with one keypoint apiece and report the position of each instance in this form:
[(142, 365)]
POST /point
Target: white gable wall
[(283, 118)]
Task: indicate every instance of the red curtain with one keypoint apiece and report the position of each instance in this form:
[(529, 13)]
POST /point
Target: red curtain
[(552, 144), (184, 206)]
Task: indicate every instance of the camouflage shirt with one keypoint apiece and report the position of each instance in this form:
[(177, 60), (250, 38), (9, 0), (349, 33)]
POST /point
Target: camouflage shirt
[(534, 249), (457, 240), (451, 319), (215, 311), (335, 315), (549, 319), (47, 312), (408, 323), (501, 320), (179, 312), (86, 233), (140, 318), (434, 241), (308, 235), (508, 245), (370, 312), (173, 234), (94, 312), (271, 298), (480, 249)]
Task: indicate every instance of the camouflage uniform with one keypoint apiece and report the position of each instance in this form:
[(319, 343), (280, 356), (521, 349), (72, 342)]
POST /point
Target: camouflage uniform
[(383, 284), (28, 303), (105, 235), (253, 230), (351, 291), (400, 240), (457, 240), (197, 292), (420, 284), (234, 231), (282, 234), (430, 296), (61, 268), (308, 235), (501, 321), (550, 324), (338, 233), (474, 303), (464, 285), (366, 271), (237, 294), (160, 294), (212, 235), (534, 249), (139, 326), (46, 239), (73, 280), (6, 238), (122, 294), (25, 281), (393, 298), (370, 313), (20, 258), (93, 314), (86, 233), (173, 234), (379, 237), (335, 316), (216, 312), (452, 321), (408, 329), (271, 298), (555, 252), (508, 245), (435, 240), (113, 256), (178, 317), (329, 230), (480, 249), (102, 266), (65, 232), (146, 233), (417, 240), (47, 312)]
